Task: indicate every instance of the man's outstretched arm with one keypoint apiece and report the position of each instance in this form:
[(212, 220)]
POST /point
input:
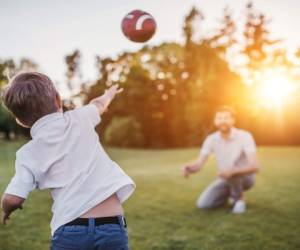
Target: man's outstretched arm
[(195, 166), (205, 151), (10, 203)]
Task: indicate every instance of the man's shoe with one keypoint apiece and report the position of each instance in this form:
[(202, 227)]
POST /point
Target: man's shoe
[(230, 201), (239, 207)]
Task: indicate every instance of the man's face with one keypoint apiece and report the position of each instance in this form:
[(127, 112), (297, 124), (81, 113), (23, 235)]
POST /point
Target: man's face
[(224, 121)]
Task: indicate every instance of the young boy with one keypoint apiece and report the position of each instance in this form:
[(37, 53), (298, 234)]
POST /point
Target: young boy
[(65, 156)]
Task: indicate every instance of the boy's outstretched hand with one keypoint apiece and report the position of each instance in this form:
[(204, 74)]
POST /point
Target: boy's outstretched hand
[(103, 101), (113, 90), (10, 203)]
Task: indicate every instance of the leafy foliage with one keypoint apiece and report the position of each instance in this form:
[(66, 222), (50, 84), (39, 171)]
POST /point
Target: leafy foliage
[(170, 89), (8, 68)]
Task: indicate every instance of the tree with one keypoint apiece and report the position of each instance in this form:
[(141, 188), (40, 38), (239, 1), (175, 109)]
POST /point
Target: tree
[(9, 68), (258, 44), (73, 73), (168, 91), (224, 37)]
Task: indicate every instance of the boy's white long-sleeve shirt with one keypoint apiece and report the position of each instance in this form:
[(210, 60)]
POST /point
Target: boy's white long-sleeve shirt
[(65, 156)]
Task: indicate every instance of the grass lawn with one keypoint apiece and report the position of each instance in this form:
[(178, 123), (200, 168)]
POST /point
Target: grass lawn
[(162, 214)]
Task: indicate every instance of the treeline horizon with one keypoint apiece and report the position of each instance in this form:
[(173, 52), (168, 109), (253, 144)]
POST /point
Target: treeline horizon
[(171, 91)]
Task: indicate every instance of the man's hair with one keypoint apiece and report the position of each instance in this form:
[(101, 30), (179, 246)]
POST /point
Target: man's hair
[(227, 109), (30, 96)]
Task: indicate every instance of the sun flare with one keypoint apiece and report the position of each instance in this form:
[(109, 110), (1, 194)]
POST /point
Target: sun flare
[(275, 89)]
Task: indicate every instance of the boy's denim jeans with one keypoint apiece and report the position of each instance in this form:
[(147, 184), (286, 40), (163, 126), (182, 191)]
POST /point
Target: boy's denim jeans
[(91, 237)]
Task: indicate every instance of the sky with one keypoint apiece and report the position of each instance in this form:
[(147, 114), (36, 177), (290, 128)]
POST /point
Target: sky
[(46, 31)]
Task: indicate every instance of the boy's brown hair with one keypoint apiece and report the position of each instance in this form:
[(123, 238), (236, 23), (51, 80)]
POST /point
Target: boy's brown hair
[(30, 96)]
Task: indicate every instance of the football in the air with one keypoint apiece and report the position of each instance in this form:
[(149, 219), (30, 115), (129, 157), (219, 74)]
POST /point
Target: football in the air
[(138, 26)]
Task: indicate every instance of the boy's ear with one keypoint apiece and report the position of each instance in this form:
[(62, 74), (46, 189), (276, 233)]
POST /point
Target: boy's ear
[(58, 101), (21, 124)]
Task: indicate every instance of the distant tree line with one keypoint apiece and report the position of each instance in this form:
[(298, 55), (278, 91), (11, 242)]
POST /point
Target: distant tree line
[(172, 90), (9, 68)]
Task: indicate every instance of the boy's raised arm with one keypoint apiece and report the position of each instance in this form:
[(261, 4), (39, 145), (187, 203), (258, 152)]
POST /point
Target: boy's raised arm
[(103, 101)]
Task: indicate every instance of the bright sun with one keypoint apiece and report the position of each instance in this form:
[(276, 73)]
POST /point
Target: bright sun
[(274, 90)]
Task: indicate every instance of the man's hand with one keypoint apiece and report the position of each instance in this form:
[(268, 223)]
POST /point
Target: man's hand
[(189, 169), (10, 203), (227, 173), (103, 101), (194, 167), (238, 171)]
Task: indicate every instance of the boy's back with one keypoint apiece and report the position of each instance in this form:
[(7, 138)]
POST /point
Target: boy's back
[(65, 156)]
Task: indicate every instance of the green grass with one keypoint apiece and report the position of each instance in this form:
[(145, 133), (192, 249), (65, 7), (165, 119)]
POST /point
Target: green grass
[(161, 213)]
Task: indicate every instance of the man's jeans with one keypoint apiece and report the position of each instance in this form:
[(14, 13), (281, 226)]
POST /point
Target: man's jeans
[(91, 237), (218, 192)]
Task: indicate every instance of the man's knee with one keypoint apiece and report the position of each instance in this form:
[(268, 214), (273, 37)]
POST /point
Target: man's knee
[(215, 195), (206, 204), (248, 183)]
